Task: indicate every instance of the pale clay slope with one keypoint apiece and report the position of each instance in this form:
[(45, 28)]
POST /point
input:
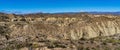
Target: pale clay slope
[(68, 27)]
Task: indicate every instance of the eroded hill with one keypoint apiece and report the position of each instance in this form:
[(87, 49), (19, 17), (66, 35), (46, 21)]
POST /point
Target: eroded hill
[(58, 31)]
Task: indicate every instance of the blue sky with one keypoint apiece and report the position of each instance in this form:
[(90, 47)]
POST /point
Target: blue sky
[(53, 6)]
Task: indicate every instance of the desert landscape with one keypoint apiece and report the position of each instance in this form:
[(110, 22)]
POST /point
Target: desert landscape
[(44, 31)]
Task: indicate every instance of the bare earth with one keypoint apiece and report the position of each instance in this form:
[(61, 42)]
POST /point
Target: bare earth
[(59, 32)]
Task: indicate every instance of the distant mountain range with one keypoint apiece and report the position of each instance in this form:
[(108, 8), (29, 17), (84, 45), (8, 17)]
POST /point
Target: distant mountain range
[(16, 12), (113, 13)]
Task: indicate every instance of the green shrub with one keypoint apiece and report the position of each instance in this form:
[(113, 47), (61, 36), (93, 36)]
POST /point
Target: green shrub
[(112, 41)]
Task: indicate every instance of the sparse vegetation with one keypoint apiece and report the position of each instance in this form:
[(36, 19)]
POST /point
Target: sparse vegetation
[(112, 41), (64, 31)]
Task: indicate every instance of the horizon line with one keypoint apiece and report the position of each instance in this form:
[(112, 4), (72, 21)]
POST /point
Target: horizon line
[(19, 12)]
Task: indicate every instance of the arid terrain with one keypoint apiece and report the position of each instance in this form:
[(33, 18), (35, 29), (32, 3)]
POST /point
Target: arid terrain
[(42, 31)]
